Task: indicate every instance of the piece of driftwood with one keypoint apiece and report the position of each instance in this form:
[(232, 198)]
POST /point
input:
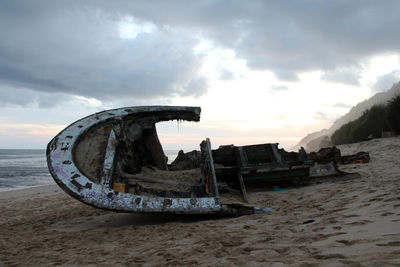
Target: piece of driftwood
[(326, 155), (360, 157)]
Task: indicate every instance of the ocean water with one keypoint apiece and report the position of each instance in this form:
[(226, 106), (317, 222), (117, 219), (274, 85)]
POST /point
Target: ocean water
[(22, 168)]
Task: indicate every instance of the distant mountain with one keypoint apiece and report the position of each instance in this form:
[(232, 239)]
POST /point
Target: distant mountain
[(354, 113), (310, 137)]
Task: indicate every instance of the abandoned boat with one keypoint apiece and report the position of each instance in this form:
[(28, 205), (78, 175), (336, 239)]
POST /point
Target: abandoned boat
[(114, 160)]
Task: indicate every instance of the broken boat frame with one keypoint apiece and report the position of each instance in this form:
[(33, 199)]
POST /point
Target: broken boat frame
[(95, 160), (82, 158)]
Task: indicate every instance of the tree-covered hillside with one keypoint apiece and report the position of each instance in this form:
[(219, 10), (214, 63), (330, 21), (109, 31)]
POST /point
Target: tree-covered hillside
[(373, 122)]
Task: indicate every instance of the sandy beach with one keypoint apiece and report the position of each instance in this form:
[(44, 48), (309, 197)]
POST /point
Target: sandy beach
[(353, 222)]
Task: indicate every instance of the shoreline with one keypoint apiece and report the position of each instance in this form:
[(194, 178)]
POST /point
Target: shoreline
[(12, 189), (37, 190)]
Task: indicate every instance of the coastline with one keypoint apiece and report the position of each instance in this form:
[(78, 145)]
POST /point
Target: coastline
[(30, 192), (354, 222)]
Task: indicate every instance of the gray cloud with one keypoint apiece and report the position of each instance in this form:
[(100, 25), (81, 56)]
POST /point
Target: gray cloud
[(196, 87), (286, 75), (77, 50), (10, 97), (287, 38), (345, 76), (226, 75), (385, 82), (74, 48)]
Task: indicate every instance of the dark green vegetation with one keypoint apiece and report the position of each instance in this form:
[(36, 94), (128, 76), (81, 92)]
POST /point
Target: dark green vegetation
[(373, 122)]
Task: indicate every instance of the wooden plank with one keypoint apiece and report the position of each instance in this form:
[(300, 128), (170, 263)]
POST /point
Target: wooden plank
[(242, 163), (108, 166), (243, 188), (207, 168)]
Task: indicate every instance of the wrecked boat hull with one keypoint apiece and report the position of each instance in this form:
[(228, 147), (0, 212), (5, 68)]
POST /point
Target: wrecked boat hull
[(114, 160), (74, 160)]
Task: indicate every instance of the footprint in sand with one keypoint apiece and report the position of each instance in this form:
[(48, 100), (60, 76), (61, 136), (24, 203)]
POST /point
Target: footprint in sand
[(390, 199), (351, 263), (249, 249), (231, 243), (283, 250), (247, 227), (375, 199), (382, 195), (351, 215), (320, 237), (318, 229), (387, 214), (334, 234), (347, 242), (221, 253), (359, 222), (390, 244), (336, 210), (329, 256)]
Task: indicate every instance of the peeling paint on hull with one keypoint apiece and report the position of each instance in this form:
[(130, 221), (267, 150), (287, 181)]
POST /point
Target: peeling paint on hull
[(63, 157)]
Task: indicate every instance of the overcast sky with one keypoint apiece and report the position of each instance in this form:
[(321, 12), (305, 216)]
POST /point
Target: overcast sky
[(262, 71)]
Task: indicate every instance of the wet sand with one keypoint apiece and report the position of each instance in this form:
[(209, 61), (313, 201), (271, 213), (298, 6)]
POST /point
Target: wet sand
[(353, 222)]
